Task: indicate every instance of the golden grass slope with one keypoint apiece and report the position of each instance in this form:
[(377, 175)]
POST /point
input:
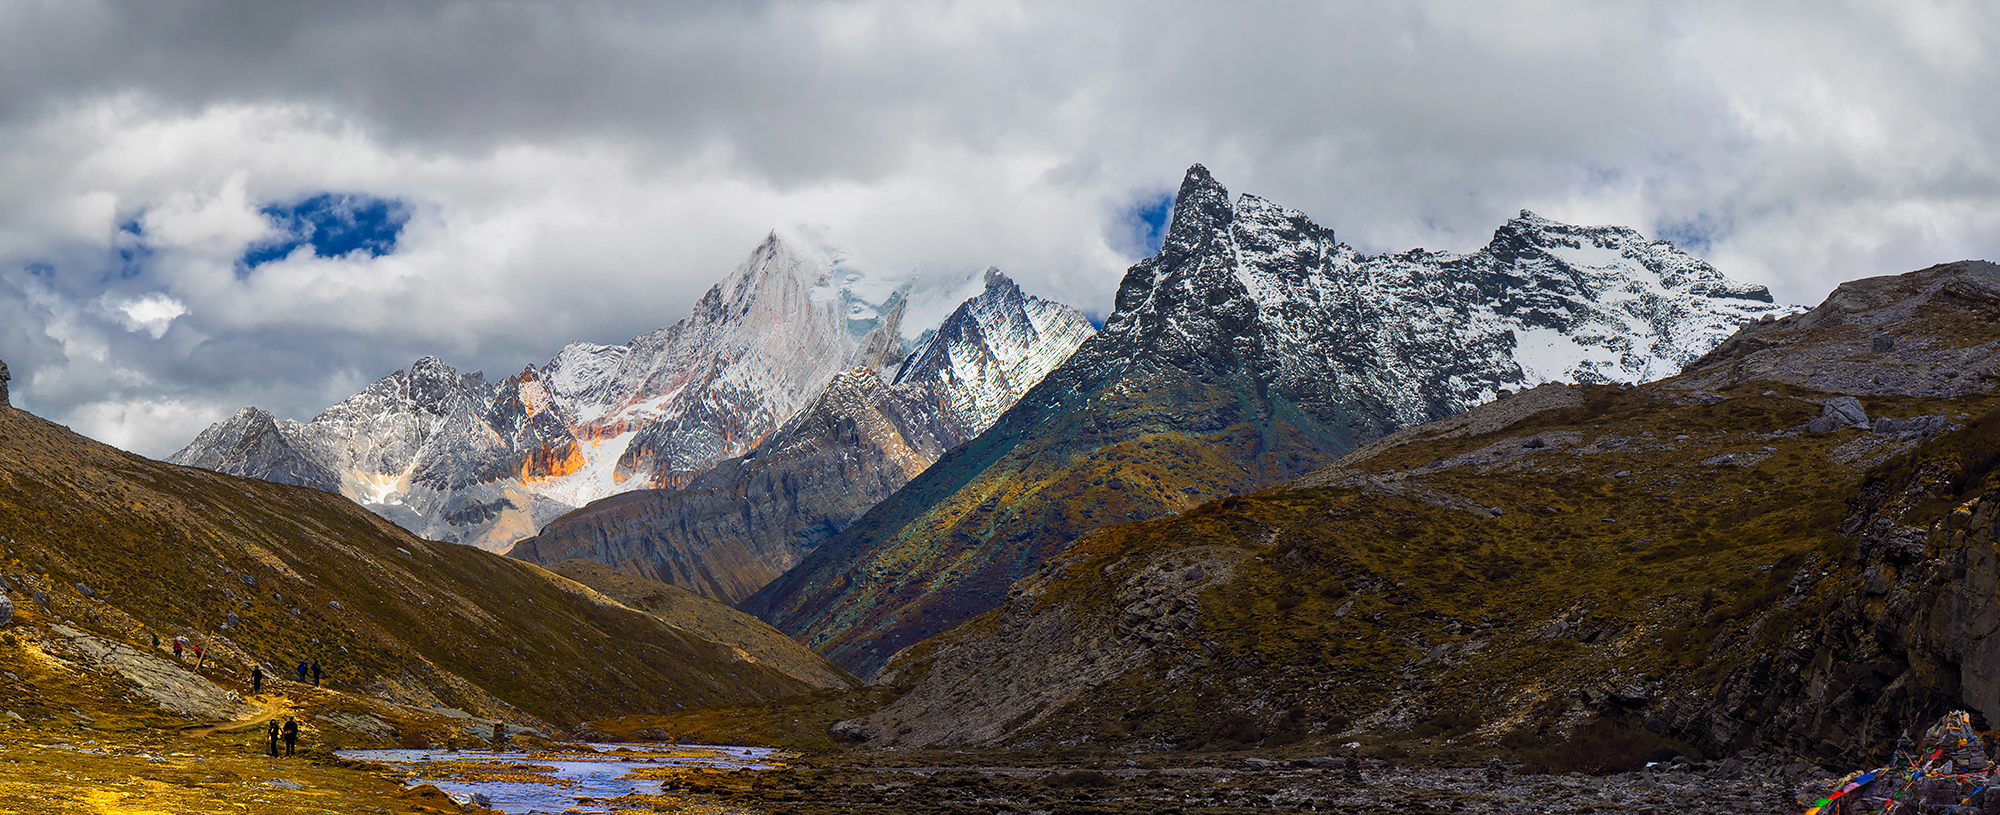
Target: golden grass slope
[(123, 548), (678, 607), (1540, 588)]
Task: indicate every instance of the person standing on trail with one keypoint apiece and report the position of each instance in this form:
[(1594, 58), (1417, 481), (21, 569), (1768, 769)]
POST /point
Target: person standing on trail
[(291, 734), (274, 738), (316, 673), (257, 680), (302, 673), (177, 647), (200, 659)]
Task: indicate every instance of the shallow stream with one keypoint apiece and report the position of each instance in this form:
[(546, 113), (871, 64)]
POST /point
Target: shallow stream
[(543, 781)]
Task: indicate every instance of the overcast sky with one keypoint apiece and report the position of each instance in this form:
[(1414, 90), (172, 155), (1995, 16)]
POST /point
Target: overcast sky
[(517, 175)]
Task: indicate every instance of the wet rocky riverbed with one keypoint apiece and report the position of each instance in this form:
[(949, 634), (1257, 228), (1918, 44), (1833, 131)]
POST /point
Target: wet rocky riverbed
[(887, 782)]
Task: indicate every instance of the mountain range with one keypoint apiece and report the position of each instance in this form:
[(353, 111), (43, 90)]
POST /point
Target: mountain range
[(105, 550), (1252, 349), (452, 457), (736, 527), (1788, 547)]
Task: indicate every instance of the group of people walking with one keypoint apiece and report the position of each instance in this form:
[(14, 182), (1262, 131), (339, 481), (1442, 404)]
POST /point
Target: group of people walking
[(257, 675), (289, 731), (181, 647)]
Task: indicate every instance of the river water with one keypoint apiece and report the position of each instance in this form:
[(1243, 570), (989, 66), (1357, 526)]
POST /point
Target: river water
[(543, 781)]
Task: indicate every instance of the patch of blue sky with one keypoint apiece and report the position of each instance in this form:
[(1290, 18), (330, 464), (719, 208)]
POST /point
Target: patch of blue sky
[(130, 244), (1141, 225), (1695, 235), (330, 224)]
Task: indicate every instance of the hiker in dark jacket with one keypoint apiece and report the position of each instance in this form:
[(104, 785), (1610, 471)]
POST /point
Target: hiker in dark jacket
[(316, 673), (274, 738), (291, 734), (256, 679), (302, 673)]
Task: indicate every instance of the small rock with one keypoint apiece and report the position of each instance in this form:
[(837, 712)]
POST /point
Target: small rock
[(1875, 581), (1883, 345), (85, 590), (284, 785), (1259, 763), (1838, 412)]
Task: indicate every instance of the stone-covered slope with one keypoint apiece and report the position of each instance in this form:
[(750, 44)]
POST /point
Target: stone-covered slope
[(1574, 576), (1252, 349), (732, 529), (122, 547)]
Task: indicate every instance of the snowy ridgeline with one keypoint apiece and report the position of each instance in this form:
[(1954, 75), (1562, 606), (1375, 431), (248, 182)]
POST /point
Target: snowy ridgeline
[(453, 457), (1406, 338)]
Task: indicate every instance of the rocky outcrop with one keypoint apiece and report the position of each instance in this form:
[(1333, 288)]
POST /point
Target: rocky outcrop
[(4, 376), (1915, 636), (1922, 333)]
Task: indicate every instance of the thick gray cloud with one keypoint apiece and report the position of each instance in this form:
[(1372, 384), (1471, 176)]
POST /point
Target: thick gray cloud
[(585, 170)]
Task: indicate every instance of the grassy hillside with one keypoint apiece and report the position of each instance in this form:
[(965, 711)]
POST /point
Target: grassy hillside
[(1578, 578), (122, 548), (1151, 442)]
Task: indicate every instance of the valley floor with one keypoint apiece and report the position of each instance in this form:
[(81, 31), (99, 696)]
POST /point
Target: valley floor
[(66, 769), (75, 770), (896, 782)]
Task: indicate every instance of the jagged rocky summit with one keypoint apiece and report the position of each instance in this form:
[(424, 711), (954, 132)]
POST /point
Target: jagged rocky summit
[(1574, 574), (1251, 349), (453, 457), (732, 529)]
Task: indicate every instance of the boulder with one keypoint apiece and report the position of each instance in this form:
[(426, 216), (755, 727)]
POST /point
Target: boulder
[(6, 610), (1838, 412)]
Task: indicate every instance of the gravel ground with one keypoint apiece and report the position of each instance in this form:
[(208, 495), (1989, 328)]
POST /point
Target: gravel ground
[(844, 784)]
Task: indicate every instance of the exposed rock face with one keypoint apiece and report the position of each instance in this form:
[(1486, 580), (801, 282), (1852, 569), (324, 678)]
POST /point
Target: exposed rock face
[(734, 528), (1918, 635), (991, 350), (4, 376), (452, 457), (737, 526), (250, 443), (1252, 349)]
